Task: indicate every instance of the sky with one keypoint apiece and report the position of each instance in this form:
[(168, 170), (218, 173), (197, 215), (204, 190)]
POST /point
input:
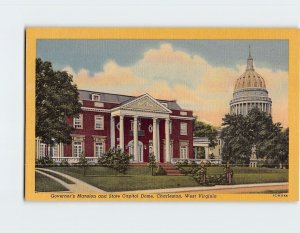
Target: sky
[(199, 74)]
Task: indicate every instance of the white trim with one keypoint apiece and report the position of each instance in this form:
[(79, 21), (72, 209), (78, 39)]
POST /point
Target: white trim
[(80, 119), (182, 118), (101, 118), (95, 109), (145, 114), (182, 130), (96, 95), (137, 99)]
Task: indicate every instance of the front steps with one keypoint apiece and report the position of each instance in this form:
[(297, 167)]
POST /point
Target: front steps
[(170, 169)]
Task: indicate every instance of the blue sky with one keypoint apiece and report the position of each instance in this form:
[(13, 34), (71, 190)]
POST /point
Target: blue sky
[(93, 54), (199, 74)]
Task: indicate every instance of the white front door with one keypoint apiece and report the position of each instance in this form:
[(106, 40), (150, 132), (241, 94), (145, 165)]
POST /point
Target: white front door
[(140, 151)]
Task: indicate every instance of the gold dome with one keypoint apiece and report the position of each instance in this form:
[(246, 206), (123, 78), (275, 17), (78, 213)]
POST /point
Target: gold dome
[(250, 78)]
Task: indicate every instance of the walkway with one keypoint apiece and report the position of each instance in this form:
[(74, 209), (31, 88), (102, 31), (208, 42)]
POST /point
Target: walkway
[(78, 186), (222, 189)]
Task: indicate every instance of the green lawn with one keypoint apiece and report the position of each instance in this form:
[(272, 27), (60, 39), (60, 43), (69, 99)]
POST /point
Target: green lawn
[(139, 178), (136, 178), (247, 175), (46, 184)]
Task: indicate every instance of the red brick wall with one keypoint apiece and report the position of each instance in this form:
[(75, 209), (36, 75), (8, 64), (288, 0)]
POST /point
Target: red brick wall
[(88, 131)]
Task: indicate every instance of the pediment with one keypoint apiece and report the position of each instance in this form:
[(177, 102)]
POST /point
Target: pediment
[(146, 103)]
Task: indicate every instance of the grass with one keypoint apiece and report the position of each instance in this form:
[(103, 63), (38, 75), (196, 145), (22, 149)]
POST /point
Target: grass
[(136, 178), (139, 177), (247, 175), (46, 184), (59, 177)]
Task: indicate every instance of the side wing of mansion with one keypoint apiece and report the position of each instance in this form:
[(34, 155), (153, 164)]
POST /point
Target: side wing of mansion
[(137, 125)]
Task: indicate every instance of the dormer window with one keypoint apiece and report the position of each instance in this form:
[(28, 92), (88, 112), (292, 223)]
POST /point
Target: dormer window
[(95, 97), (164, 104)]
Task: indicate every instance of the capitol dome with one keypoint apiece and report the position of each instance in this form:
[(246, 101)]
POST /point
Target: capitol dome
[(250, 91)]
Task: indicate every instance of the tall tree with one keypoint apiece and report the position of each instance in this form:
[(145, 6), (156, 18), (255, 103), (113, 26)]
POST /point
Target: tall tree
[(240, 133), (202, 129), (56, 99)]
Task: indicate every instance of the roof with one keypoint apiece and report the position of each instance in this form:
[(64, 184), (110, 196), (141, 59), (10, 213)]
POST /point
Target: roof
[(122, 99), (250, 78)]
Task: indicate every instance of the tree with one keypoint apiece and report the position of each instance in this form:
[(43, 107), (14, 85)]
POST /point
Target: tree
[(152, 163), (205, 130), (56, 99), (240, 133)]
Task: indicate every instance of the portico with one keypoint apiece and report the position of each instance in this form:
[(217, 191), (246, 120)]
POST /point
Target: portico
[(144, 106)]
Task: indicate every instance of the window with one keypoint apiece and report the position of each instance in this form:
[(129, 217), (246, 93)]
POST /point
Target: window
[(183, 152), (42, 149), (77, 123), (77, 149), (183, 113), (99, 149), (183, 128), (99, 122), (54, 151), (164, 104), (95, 97)]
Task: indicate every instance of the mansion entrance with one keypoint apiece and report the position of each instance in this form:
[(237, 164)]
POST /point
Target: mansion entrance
[(140, 150)]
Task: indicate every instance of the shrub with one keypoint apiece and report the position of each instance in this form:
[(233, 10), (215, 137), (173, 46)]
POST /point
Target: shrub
[(152, 163), (44, 162), (160, 171), (64, 163), (115, 159)]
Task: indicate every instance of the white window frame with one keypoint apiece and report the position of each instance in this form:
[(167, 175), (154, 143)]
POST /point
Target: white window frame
[(183, 151), (183, 128), (55, 150), (77, 149), (95, 97), (99, 149), (42, 149), (101, 119), (78, 122)]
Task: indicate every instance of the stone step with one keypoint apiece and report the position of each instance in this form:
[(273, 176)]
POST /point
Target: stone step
[(170, 169)]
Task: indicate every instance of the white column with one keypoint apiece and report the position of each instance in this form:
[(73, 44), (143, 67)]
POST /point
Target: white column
[(167, 133), (37, 142), (236, 109), (122, 133), (246, 108), (206, 153), (270, 109), (62, 149), (135, 139), (158, 140), (112, 132), (154, 139)]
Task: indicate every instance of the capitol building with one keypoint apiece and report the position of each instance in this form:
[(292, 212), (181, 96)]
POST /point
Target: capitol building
[(250, 91)]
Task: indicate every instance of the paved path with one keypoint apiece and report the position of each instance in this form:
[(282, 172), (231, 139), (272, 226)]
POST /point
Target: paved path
[(222, 189), (78, 186)]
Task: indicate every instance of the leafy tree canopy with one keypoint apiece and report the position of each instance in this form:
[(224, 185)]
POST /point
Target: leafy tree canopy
[(56, 99), (202, 129), (240, 133)]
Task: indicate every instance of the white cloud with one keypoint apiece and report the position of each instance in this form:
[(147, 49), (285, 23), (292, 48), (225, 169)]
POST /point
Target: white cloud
[(167, 73)]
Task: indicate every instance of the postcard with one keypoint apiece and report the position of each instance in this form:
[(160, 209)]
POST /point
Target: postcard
[(162, 114)]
